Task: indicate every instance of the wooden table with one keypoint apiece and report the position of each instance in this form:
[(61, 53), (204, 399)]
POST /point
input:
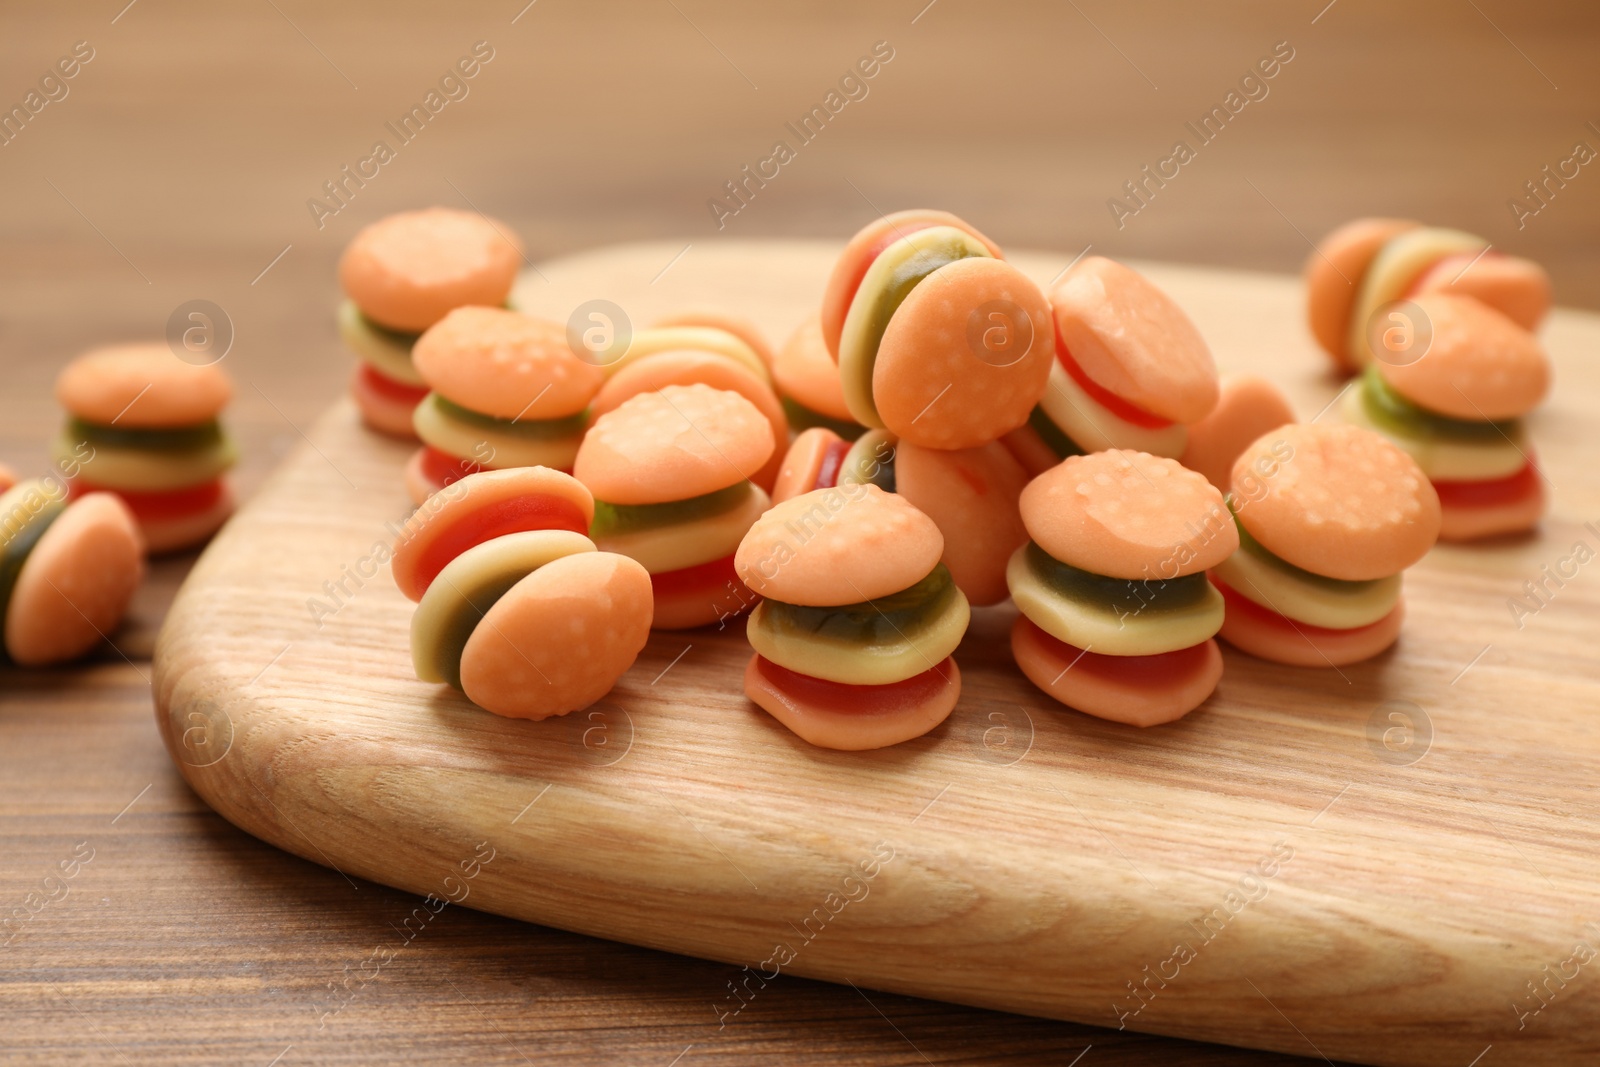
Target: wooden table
[(178, 167)]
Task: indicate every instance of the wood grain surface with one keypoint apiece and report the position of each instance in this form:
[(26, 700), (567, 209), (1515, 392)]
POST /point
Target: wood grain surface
[(1278, 869), (179, 167)]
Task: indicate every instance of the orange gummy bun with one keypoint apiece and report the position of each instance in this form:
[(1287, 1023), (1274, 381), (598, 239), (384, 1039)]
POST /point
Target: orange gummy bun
[(560, 638), (406, 271), (76, 582), (844, 545), (1479, 365), (972, 495), (1128, 514), (679, 442), (1248, 407), (142, 386), (936, 381), (702, 368), (1132, 339), (1339, 501), (505, 364)]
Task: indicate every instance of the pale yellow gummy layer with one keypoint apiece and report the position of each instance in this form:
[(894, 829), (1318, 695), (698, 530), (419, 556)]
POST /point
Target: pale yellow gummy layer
[(450, 435), (1442, 460), (689, 544), (1294, 598), (648, 342), (820, 657), (1104, 631), (142, 470), (384, 351)]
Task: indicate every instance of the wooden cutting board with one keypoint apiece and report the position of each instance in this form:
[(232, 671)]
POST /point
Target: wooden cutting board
[(1376, 864)]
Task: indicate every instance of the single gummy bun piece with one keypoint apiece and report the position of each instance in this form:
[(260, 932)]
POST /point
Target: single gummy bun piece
[(853, 718), (1479, 365), (1136, 690), (1130, 515), (845, 545), (1131, 338), (8, 477), (406, 271), (560, 638), (142, 386), (1340, 501), (1248, 407), (703, 368), (971, 494), (680, 442), (505, 364), (76, 582), (942, 380), (1517, 288), (480, 507), (1333, 278)]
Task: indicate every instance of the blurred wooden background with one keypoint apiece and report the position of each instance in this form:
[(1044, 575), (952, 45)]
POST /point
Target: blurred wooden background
[(178, 166)]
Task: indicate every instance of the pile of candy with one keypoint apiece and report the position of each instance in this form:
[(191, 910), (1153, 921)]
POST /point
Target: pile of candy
[(958, 437), (940, 434)]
